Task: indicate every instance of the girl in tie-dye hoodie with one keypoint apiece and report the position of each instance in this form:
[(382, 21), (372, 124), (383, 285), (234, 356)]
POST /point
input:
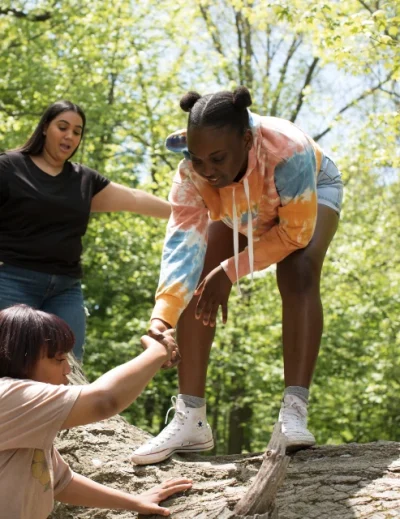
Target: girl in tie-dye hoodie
[(270, 183)]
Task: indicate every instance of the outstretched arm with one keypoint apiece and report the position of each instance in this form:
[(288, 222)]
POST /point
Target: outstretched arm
[(117, 389), (184, 249), (116, 197), (82, 491)]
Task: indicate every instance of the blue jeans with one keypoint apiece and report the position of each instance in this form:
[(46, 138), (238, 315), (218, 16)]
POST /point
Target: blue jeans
[(55, 294)]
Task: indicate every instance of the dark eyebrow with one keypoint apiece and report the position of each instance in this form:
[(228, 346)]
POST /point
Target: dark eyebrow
[(66, 122), (213, 153)]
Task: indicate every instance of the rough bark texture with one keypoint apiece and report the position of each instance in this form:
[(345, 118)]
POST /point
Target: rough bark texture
[(329, 482), (261, 495)]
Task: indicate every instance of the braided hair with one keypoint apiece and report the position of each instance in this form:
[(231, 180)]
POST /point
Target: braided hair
[(218, 110)]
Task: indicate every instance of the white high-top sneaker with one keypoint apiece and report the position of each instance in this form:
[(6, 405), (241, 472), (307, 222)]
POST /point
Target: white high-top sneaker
[(293, 419), (187, 432)]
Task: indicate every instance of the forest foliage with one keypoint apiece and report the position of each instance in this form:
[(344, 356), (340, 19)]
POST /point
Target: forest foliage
[(333, 68)]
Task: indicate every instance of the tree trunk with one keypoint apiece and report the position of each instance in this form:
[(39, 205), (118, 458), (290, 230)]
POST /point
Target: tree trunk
[(239, 417), (328, 482)]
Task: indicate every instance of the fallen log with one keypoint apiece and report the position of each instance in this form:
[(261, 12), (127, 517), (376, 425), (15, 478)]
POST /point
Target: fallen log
[(327, 482)]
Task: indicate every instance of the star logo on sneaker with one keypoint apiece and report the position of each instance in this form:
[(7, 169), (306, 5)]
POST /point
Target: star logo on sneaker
[(200, 424)]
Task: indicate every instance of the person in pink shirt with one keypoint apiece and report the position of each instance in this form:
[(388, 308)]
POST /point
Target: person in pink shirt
[(36, 403), (270, 183)]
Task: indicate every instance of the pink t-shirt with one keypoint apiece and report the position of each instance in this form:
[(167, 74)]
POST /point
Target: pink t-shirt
[(32, 471)]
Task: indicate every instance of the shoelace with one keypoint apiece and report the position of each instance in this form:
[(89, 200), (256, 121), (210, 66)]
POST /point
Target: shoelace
[(294, 415), (173, 426)]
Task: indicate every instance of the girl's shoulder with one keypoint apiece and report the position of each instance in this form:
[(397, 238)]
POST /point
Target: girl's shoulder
[(280, 139), (11, 161), (82, 170), (78, 168), (8, 386), (11, 158), (20, 390), (283, 127)]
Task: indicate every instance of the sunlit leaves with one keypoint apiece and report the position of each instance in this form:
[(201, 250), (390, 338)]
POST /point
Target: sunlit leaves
[(127, 65)]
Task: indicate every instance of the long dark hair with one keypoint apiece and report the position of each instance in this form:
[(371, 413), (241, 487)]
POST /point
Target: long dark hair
[(34, 145), (26, 335)]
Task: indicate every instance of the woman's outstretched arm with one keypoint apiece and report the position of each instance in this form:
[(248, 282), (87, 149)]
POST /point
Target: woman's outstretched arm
[(116, 197)]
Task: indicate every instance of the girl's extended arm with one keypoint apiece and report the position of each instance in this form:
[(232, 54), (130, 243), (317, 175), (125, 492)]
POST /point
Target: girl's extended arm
[(116, 197), (117, 389)]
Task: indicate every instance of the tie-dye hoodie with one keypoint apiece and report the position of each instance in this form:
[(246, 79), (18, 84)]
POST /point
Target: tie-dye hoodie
[(274, 205)]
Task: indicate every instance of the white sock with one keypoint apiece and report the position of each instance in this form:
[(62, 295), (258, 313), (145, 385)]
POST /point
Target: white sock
[(299, 391), (192, 401)]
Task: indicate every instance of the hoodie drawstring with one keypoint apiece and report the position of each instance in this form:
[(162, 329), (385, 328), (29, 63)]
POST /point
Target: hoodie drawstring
[(250, 248), (236, 241)]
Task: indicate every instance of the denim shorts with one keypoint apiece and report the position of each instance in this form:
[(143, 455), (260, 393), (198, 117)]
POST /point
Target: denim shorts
[(330, 185), (55, 294)]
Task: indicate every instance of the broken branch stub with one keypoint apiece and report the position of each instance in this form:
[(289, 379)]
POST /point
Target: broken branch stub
[(260, 498)]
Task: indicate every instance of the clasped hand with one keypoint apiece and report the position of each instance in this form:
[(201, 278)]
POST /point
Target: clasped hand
[(214, 292), (160, 332)]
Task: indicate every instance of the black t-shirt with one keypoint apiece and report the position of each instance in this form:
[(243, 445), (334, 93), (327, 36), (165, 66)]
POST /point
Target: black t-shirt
[(43, 218)]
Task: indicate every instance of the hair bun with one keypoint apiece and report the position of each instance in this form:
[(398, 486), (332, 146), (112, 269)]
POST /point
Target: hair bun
[(189, 100), (241, 97)]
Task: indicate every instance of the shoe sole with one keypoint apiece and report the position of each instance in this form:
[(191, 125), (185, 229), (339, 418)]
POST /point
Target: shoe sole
[(297, 446), (158, 457)]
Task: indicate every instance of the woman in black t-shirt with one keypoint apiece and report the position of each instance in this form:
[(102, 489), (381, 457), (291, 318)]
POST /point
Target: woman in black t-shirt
[(45, 202)]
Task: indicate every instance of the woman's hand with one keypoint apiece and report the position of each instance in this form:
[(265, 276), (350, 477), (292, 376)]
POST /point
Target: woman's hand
[(163, 333), (214, 292), (149, 500)]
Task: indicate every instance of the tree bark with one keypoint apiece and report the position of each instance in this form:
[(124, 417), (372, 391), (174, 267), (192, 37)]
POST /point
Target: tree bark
[(327, 482), (261, 496)]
